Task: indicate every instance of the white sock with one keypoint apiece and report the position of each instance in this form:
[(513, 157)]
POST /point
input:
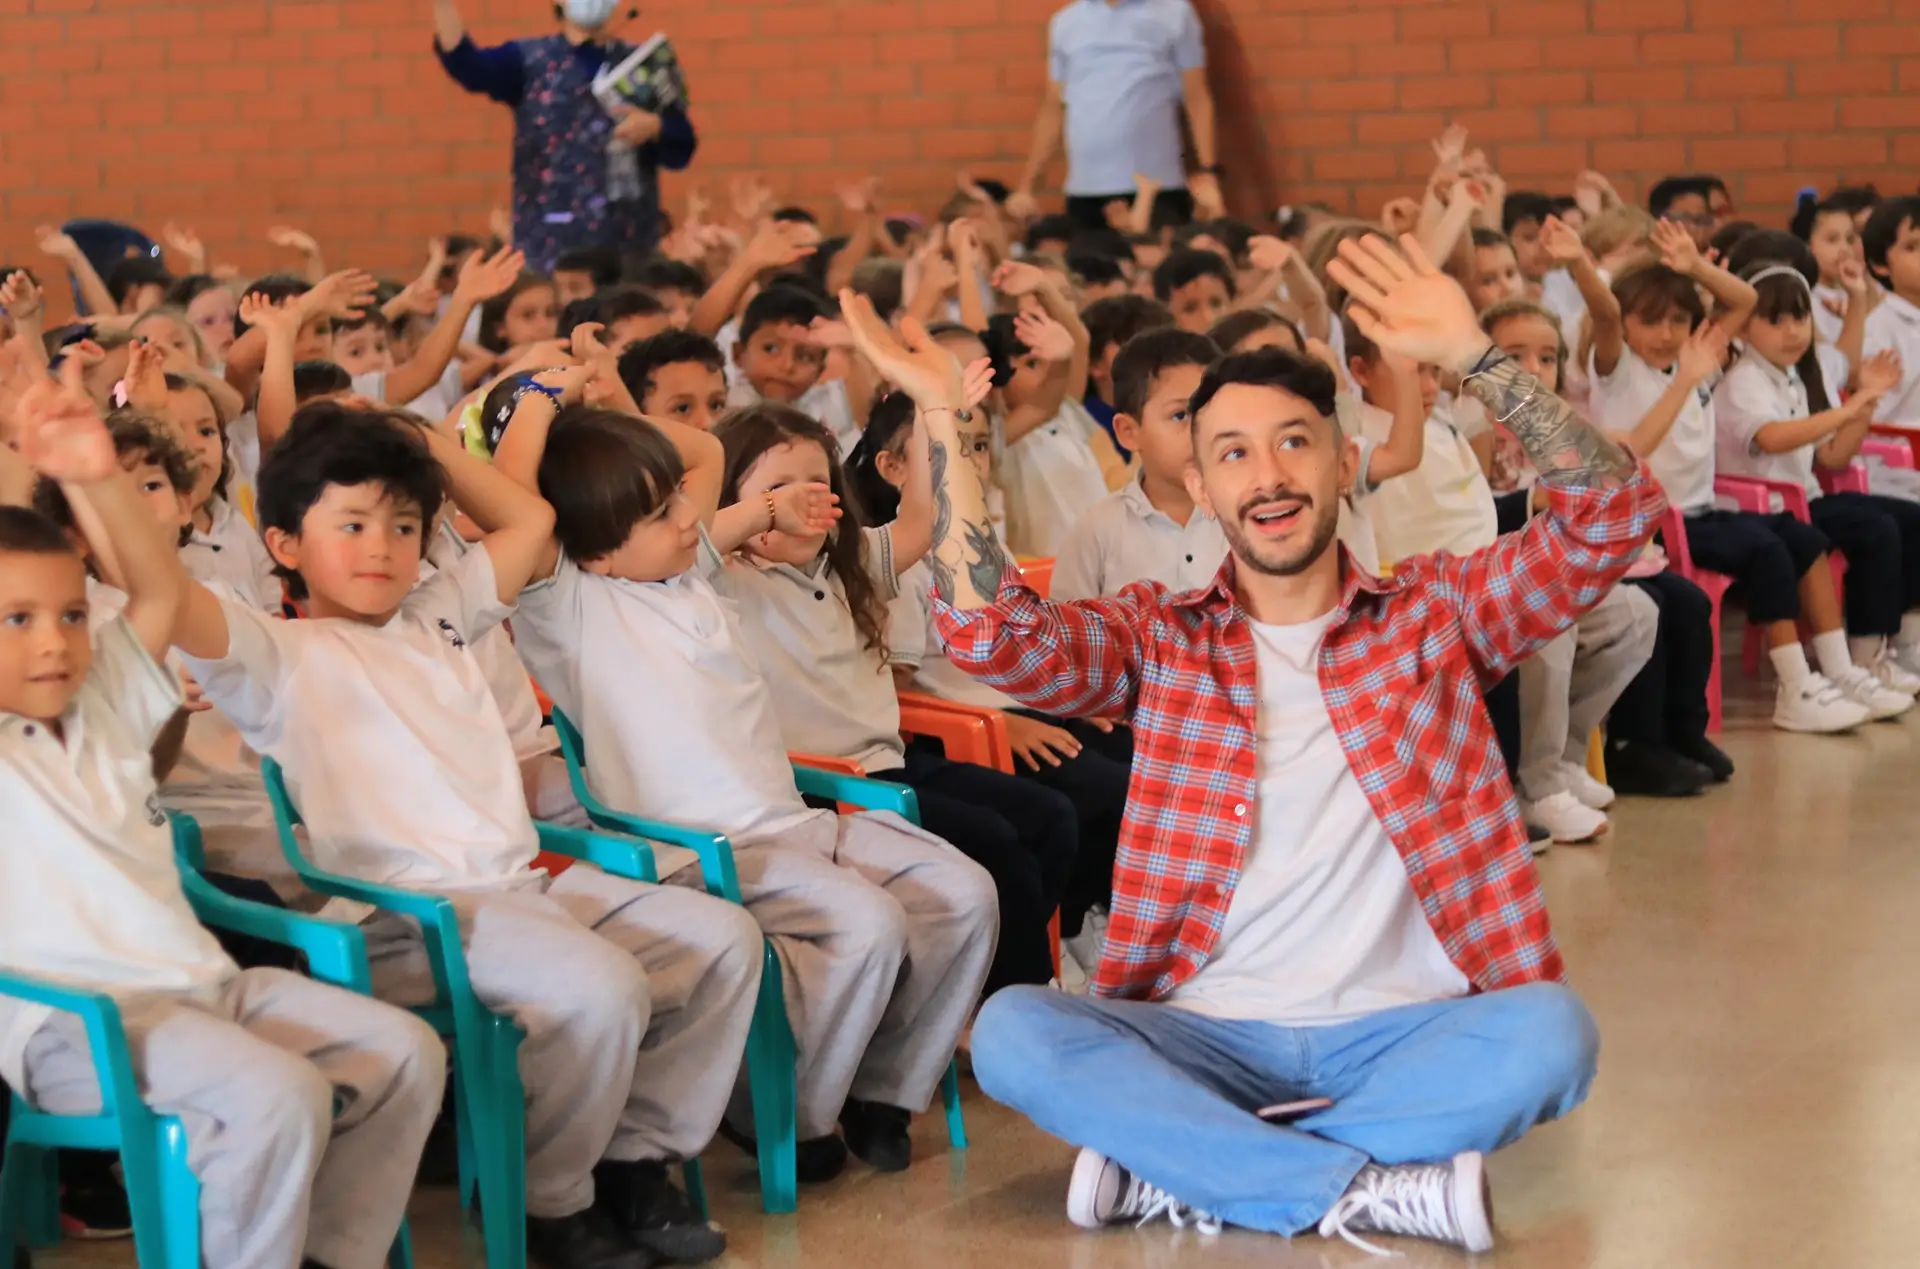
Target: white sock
[(1790, 663), (1830, 649), (1866, 649), (1910, 629)]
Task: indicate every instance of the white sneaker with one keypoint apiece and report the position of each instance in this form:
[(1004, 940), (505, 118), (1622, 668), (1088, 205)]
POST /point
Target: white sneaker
[(1085, 948), (1887, 668), (1816, 705), (1104, 1193), (1865, 687), (1906, 656), (1442, 1202), (1566, 817), (1073, 977), (1583, 786)]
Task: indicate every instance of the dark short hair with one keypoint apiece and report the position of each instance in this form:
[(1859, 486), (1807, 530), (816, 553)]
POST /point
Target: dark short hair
[(369, 316), (604, 472), (1095, 269), (795, 215), (1728, 237), (1119, 318), (659, 273), (602, 264), (1882, 229), (1147, 356), (887, 426), (333, 444), (319, 379), (642, 358), (1522, 206), (1054, 228), (1185, 265), (1648, 291), (1665, 193), (185, 289), (621, 302), (1103, 241), (25, 531), (1775, 246), (1292, 373), (883, 281), (128, 275), (1234, 327), (777, 305)]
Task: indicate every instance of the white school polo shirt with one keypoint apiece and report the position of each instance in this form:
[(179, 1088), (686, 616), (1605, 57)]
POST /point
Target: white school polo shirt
[(913, 641), (826, 403), (1051, 479), (392, 745), (678, 724), (231, 552), (1683, 462), (89, 893), (1895, 324), (507, 678), (832, 694), (1444, 505), (1826, 322), (1126, 539), (1753, 394)]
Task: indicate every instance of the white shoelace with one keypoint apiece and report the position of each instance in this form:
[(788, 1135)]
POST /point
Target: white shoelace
[(1411, 1201), (1150, 1201)]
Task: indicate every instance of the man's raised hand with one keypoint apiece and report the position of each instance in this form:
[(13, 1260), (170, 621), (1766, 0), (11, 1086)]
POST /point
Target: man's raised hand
[(1405, 305)]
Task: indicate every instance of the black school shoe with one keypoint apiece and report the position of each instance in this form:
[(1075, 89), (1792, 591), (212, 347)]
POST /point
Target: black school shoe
[(877, 1134), (93, 1202), (1637, 768), (584, 1240), (817, 1160), (1703, 751), (646, 1207)]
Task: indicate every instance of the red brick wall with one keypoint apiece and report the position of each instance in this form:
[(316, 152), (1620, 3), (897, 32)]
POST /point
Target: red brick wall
[(231, 115)]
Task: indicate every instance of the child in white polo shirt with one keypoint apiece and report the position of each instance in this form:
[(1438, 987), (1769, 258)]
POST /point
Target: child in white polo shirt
[(1891, 241), (883, 932), (636, 998), (305, 1106)]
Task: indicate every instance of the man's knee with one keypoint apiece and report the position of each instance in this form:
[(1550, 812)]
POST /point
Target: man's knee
[(1558, 1040), (1015, 1049)]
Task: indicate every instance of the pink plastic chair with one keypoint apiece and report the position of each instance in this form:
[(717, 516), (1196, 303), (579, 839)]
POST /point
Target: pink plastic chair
[(1751, 493), (1673, 534)]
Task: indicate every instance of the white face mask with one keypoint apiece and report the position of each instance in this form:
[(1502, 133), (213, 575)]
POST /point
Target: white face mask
[(591, 14)]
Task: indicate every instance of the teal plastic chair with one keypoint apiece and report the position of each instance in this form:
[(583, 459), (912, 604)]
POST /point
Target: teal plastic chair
[(770, 1048), (489, 1099), (162, 1191)]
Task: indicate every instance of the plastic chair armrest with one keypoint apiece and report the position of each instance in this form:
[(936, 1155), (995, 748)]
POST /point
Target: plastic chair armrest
[(715, 852), (858, 790), (969, 733), (336, 952), (112, 1060), (1891, 452), (618, 856), (1752, 493)]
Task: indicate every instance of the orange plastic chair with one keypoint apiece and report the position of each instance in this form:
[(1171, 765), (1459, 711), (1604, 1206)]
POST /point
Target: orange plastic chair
[(1039, 575), (839, 766), (969, 734)]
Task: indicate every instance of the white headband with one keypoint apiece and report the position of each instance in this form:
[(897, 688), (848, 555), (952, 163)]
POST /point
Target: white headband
[(1782, 271)]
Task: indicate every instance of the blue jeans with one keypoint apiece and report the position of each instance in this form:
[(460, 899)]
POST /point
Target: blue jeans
[(1170, 1094)]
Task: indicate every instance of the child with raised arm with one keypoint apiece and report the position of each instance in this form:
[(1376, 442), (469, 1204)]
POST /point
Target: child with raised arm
[(1653, 375), (305, 1106), (883, 932), (1890, 241), (636, 998)]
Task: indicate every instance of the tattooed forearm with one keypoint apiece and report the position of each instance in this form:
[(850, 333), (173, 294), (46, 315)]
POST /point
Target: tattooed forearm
[(1565, 448), (942, 521), (989, 563)]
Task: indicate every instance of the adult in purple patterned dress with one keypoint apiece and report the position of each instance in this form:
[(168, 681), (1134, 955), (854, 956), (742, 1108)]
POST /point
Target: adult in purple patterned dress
[(581, 177)]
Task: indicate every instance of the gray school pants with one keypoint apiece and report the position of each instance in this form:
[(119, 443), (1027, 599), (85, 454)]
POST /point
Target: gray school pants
[(635, 998), (1568, 686), (884, 934), (305, 1106)]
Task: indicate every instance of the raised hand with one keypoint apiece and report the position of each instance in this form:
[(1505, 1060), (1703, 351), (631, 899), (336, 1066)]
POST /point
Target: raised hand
[(1677, 248), (187, 243), (293, 240), (1593, 193), (1405, 305), (276, 317), (500, 225), (1881, 373), (1449, 150), (482, 278), (1401, 216), (586, 343), (751, 198), (570, 381), (964, 236), (977, 380), (146, 377), (774, 245), (22, 298), (1208, 203), (1561, 242), (1044, 337), (805, 510), (1016, 278), (911, 362), (1022, 205), (1270, 253), (1703, 354), (60, 430), (59, 245), (859, 197), (698, 205), (343, 294)]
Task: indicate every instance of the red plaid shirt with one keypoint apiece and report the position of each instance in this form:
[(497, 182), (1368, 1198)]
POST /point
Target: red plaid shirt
[(1402, 668)]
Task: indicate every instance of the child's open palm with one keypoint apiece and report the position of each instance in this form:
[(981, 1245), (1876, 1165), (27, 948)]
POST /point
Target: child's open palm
[(1405, 305), (775, 245), (1881, 373), (1677, 248), (805, 510), (293, 240), (859, 196), (1561, 242), (1593, 193), (1269, 253), (1044, 337), (977, 381), (146, 377), (482, 278), (827, 332), (20, 297), (343, 294), (55, 243), (913, 362), (1704, 353), (278, 318), (1016, 278), (61, 432)]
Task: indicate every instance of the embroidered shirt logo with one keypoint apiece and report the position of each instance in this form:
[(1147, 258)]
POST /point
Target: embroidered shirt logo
[(452, 635)]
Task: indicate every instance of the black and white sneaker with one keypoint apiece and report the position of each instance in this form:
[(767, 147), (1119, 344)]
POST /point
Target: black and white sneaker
[(1441, 1202), (1103, 1192)]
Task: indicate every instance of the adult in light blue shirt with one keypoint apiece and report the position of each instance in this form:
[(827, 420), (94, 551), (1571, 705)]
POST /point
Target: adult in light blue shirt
[(1118, 73)]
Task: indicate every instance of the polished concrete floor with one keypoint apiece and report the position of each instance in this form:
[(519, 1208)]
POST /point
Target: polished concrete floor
[(1749, 954)]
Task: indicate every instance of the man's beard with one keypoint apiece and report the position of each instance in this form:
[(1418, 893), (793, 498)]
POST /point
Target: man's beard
[(1281, 561)]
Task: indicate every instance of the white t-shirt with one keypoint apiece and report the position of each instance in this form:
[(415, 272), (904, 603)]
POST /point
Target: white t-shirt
[(230, 552), (89, 892), (1051, 479), (1444, 505), (432, 405), (1895, 324), (1683, 462), (677, 722), (1323, 926), (243, 447), (1124, 539), (913, 641), (391, 742), (1754, 393), (832, 694)]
